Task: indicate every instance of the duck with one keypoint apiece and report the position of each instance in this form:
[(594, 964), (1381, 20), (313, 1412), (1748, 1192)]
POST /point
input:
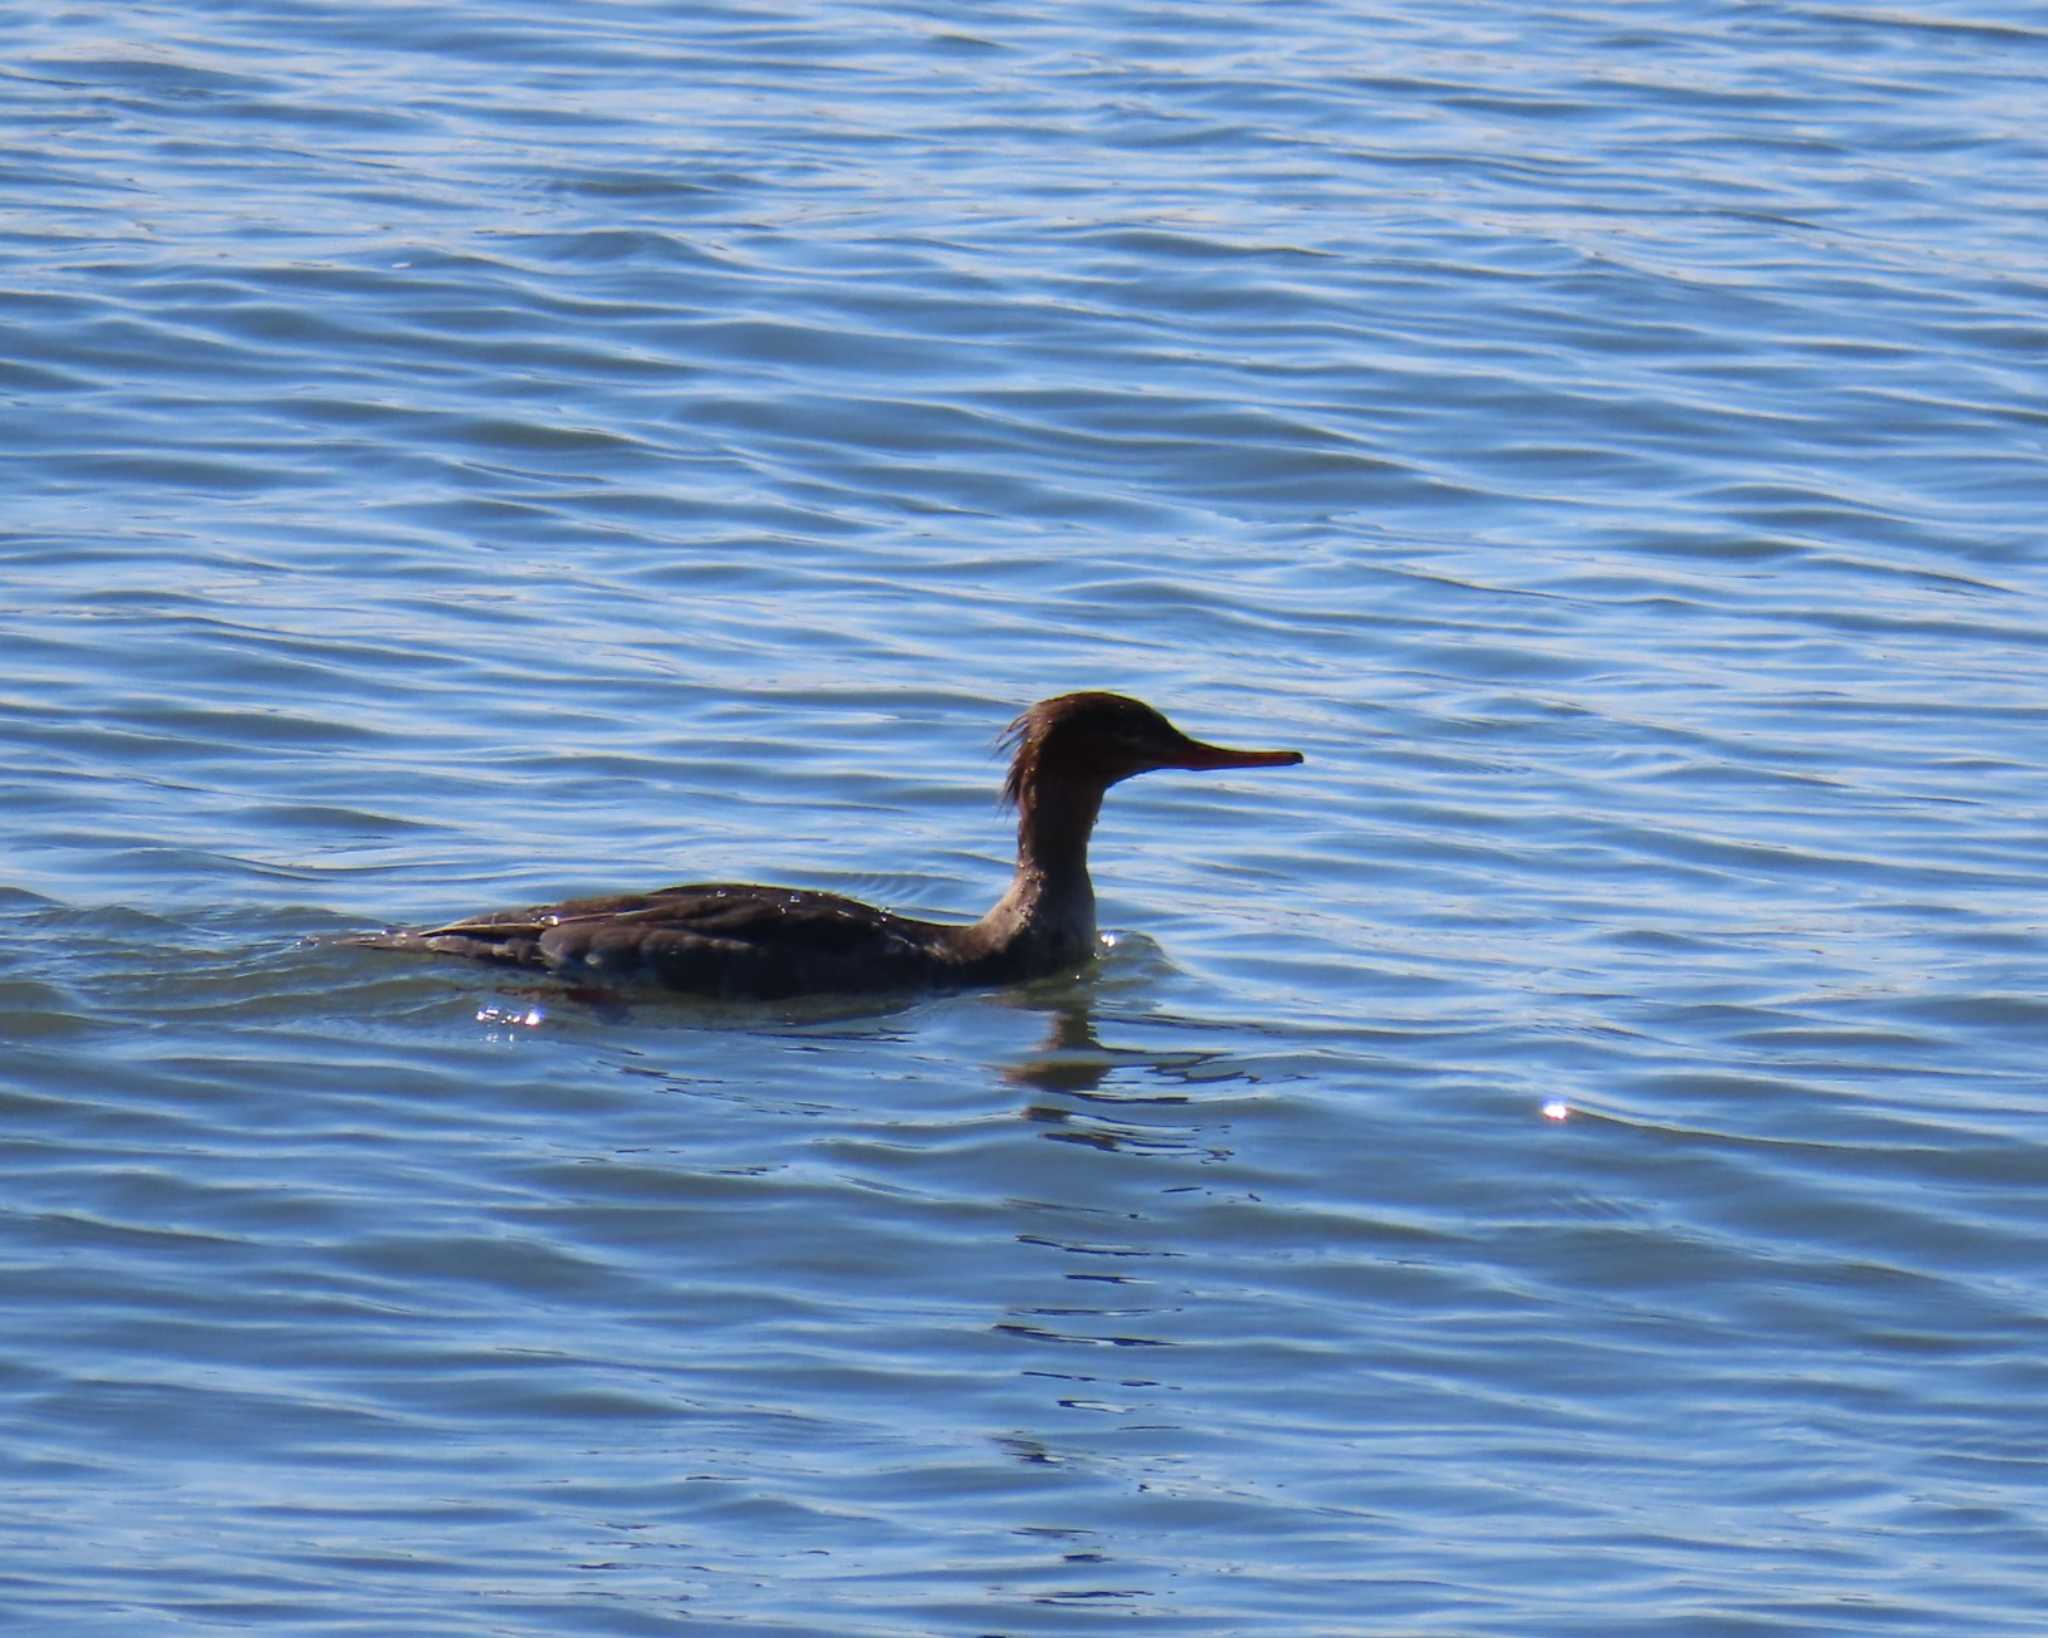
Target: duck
[(743, 941)]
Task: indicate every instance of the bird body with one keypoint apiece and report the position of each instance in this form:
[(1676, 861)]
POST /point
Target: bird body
[(736, 940)]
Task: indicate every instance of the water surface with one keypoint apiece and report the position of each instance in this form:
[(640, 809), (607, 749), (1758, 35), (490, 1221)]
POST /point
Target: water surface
[(1567, 1159)]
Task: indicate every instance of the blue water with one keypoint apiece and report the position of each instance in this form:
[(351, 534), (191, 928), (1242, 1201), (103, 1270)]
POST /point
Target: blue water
[(1568, 1159)]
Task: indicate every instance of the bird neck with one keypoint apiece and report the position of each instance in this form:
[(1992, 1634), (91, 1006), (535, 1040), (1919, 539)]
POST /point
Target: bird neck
[(1052, 835), (1047, 918)]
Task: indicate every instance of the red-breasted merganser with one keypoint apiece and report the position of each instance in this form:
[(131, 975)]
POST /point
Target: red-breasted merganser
[(764, 943)]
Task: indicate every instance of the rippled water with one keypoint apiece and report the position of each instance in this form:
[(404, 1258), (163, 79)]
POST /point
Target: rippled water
[(1567, 1159)]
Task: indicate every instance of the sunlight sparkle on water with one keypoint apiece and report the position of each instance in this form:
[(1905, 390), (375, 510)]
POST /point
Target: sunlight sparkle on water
[(531, 1018), (1556, 1109)]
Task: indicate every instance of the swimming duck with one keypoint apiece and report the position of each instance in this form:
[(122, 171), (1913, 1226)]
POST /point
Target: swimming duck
[(741, 941)]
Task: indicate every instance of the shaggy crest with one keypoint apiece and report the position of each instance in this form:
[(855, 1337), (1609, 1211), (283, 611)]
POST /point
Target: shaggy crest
[(1037, 734)]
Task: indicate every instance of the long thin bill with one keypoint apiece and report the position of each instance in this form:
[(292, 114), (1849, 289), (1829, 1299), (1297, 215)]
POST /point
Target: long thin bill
[(1195, 754)]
